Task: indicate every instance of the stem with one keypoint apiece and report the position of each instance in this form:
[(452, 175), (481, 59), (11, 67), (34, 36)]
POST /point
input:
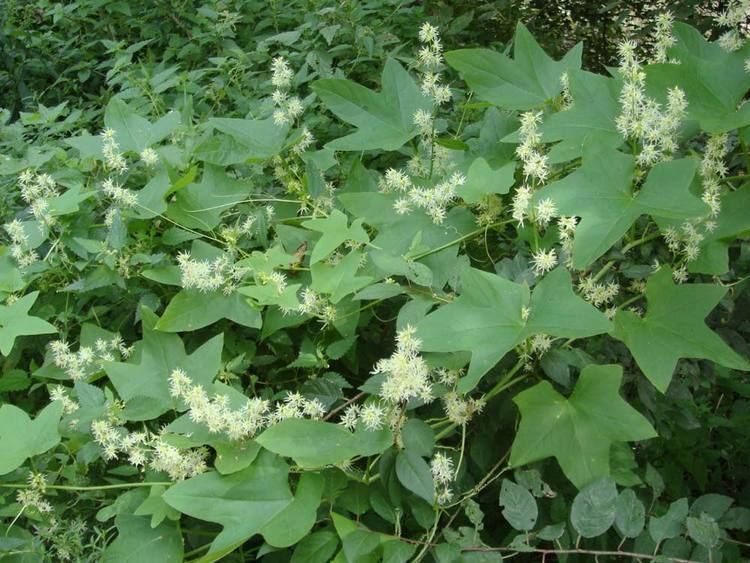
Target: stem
[(593, 552), (428, 543), (91, 488), (505, 381), (467, 236)]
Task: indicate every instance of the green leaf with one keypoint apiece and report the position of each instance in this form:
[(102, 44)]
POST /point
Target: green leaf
[(630, 514), (242, 503), (138, 542), (258, 139), (297, 519), (156, 507), (133, 132), (525, 82), (310, 443), (418, 437), (482, 179), (579, 430), (714, 80), (601, 194), (316, 548), (414, 473), (335, 232), (670, 525), (594, 508), (143, 383), (22, 438), (487, 320), (673, 328), (591, 120), (384, 120), (704, 530), (15, 321), (519, 506), (190, 310)]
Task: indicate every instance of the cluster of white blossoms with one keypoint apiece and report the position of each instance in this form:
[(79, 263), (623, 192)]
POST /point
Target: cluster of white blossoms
[(59, 393), (598, 294), (642, 118), (142, 449), (19, 244), (36, 191), (434, 200), (244, 226), (88, 359), (459, 410), (221, 273), (663, 37), (430, 59), (535, 171), (407, 375), (544, 260), (288, 108), (312, 303), (685, 241), (566, 229), (113, 159), (149, 157), (120, 197), (443, 475), (712, 170), (33, 496), (734, 17), (216, 414)]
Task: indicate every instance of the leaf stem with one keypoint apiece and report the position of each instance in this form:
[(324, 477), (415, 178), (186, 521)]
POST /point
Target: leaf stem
[(89, 488)]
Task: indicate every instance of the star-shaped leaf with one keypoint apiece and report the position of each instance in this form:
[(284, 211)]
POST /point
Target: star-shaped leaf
[(673, 328), (482, 179), (714, 80), (335, 232), (15, 321), (242, 503), (579, 430), (601, 194), (487, 318), (21, 437), (340, 280), (143, 383), (522, 83), (385, 120)]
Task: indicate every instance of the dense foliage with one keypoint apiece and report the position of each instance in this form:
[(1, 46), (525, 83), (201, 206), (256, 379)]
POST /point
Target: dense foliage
[(295, 281)]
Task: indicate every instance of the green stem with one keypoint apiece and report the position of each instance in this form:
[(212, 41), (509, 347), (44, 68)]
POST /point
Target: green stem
[(459, 240), (92, 488)]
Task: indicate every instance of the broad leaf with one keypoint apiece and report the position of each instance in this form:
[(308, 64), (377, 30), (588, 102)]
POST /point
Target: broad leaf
[(601, 194), (630, 514), (242, 503), (190, 310), (15, 321), (414, 474), (487, 318), (385, 120), (482, 179), (673, 328), (143, 383), (335, 232), (671, 524), (579, 430), (22, 438), (138, 542), (519, 506), (594, 508), (524, 82), (297, 519), (256, 140), (339, 280), (133, 132)]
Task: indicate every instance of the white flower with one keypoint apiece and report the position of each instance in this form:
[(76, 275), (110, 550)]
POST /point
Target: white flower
[(372, 416), (441, 467), (544, 261), (149, 156)]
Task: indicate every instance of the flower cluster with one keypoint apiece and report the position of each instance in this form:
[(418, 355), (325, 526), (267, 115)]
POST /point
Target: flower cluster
[(58, 393), (149, 157), (88, 359), (434, 200), (244, 422), (459, 410), (566, 229), (113, 159), (430, 58), (406, 373), (120, 197), (210, 275), (288, 107), (642, 118), (544, 261), (598, 294), (441, 468), (535, 165), (19, 244), (733, 17), (142, 449), (312, 303), (686, 240), (663, 37), (712, 170), (36, 191), (33, 496)]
